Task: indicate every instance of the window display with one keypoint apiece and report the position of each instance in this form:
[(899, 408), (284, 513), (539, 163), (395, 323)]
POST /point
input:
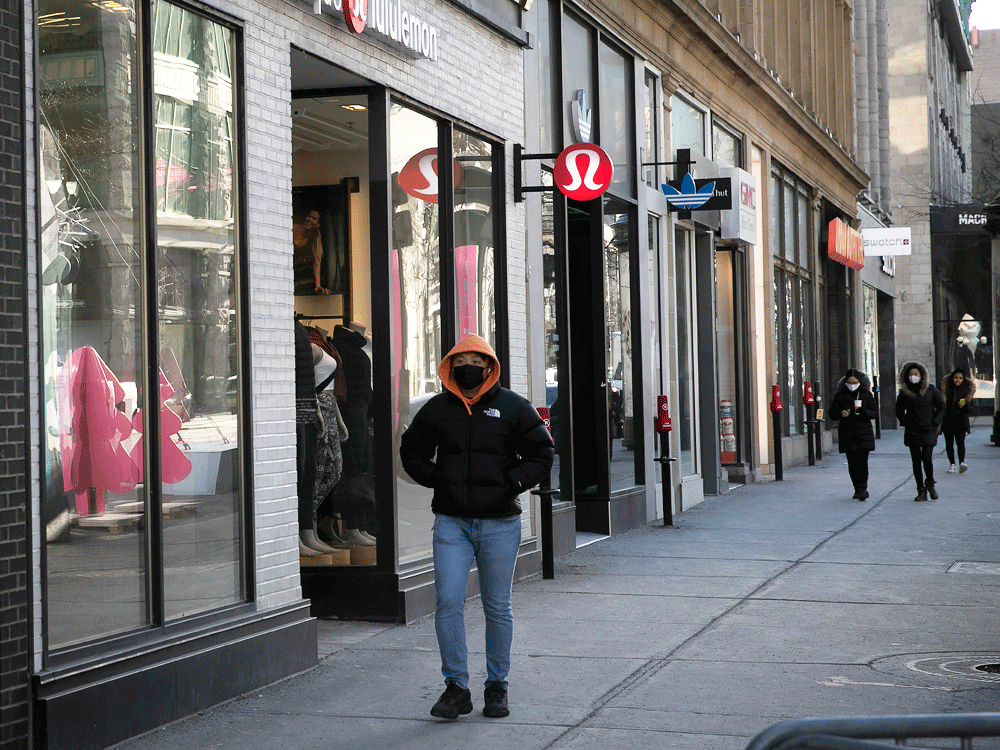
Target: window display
[(108, 464)]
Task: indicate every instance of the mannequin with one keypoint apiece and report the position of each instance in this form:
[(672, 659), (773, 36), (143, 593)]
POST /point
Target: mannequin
[(353, 498), (331, 431), (306, 436)]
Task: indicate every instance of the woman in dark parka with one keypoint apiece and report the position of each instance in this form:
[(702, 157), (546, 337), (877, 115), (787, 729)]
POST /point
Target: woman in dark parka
[(855, 435), (958, 390), (920, 411)]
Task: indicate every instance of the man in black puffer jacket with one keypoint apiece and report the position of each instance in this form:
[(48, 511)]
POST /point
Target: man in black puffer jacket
[(478, 446)]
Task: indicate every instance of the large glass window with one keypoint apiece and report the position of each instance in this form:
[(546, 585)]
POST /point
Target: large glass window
[(578, 80), (727, 145), (474, 244), (100, 486), (619, 237), (618, 116), (794, 294), (416, 301), (686, 362), (687, 126), (651, 120)]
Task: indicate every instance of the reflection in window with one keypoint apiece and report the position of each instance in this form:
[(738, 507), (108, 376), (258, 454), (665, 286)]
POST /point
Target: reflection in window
[(684, 419), (556, 387), (199, 341), (619, 237), (416, 306), (90, 242), (618, 116), (474, 244), (727, 146), (651, 118), (687, 126), (95, 483)]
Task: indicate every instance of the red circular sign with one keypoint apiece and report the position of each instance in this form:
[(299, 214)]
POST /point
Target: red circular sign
[(583, 171), (356, 14), (419, 176)]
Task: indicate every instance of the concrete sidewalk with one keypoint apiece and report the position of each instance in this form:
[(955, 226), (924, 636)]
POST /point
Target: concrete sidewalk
[(778, 600)]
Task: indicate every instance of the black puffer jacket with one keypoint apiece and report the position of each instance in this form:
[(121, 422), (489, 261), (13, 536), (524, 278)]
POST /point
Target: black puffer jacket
[(855, 431), (478, 455), (919, 408), (956, 417)]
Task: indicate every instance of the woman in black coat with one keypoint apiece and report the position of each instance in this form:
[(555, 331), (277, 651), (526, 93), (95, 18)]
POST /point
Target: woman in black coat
[(958, 390), (853, 407), (920, 411)]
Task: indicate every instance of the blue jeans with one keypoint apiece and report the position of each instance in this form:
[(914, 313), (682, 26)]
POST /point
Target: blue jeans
[(493, 543)]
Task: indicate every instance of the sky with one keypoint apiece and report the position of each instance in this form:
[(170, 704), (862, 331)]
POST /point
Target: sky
[(985, 14)]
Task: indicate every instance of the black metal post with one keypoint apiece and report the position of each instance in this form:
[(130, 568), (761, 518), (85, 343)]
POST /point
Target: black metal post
[(776, 422), (545, 493), (878, 409), (809, 433), (664, 462), (819, 422)]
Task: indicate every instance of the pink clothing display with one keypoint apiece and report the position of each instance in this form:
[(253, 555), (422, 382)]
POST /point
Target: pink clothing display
[(174, 465), (92, 430)]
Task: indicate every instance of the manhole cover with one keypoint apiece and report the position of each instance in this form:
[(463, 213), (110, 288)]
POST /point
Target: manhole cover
[(983, 568), (959, 666)]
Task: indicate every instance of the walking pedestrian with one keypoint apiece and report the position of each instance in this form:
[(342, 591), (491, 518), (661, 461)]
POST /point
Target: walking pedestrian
[(853, 408), (920, 410), (478, 446), (958, 390)]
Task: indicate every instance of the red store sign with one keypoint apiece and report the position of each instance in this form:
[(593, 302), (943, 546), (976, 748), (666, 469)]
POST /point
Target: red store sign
[(583, 171), (845, 245)]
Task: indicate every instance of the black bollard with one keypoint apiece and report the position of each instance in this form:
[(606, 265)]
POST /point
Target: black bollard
[(878, 411), (819, 422), (776, 421), (664, 460)]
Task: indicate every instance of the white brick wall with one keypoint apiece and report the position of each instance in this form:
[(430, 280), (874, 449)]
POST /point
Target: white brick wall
[(477, 79)]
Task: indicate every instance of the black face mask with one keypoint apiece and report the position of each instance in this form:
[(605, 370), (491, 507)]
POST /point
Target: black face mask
[(469, 377)]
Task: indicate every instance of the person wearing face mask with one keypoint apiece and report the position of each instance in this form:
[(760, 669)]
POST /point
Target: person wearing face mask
[(479, 447), (920, 410), (958, 390), (853, 408)]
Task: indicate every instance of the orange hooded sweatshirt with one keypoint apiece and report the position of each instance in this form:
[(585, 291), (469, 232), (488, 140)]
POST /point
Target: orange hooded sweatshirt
[(478, 345)]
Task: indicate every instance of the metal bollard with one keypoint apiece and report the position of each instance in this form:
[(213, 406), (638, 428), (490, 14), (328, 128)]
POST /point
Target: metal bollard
[(663, 426), (776, 425), (817, 415), (545, 493)]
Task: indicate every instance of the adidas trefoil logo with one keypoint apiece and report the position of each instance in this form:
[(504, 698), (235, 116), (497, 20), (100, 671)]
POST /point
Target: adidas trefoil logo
[(688, 197)]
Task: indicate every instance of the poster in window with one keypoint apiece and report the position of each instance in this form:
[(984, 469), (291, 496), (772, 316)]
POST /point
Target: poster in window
[(319, 236)]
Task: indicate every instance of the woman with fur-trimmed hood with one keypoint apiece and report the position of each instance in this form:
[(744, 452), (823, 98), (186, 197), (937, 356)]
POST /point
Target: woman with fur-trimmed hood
[(920, 410), (958, 390)]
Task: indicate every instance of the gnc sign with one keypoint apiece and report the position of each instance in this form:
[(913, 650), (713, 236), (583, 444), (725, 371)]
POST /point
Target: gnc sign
[(583, 171), (845, 245)]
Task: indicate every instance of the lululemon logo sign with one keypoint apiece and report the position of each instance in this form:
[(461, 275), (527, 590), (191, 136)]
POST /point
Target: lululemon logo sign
[(583, 171), (356, 14), (419, 176)]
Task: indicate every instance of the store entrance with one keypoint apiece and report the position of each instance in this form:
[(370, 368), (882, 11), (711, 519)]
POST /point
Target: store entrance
[(337, 523)]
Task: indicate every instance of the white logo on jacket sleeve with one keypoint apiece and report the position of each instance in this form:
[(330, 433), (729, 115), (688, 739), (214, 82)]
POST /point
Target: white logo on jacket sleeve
[(492, 412)]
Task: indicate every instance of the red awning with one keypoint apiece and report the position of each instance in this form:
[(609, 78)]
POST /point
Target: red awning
[(845, 245)]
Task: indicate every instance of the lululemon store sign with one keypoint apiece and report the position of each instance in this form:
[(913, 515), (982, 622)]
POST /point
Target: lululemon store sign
[(583, 171), (392, 20)]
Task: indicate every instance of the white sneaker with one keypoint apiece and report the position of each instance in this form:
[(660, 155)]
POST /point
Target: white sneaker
[(952, 469), (962, 469)]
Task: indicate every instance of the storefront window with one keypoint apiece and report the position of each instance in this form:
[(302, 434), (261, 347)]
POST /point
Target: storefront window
[(578, 80), (687, 126), (651, 118), (870, 312), (618, 116), (416, 307), (98, 489), (794, 303), (686, 363), (475, 290), (619, 236), (727, 146), (556, 387)]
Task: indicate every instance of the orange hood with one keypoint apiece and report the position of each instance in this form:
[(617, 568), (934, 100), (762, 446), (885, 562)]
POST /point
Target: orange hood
[(479, 345)]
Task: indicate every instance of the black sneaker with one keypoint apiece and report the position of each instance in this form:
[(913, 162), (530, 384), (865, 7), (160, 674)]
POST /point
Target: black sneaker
[(932, 491), (453, 701), (495, 698)]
